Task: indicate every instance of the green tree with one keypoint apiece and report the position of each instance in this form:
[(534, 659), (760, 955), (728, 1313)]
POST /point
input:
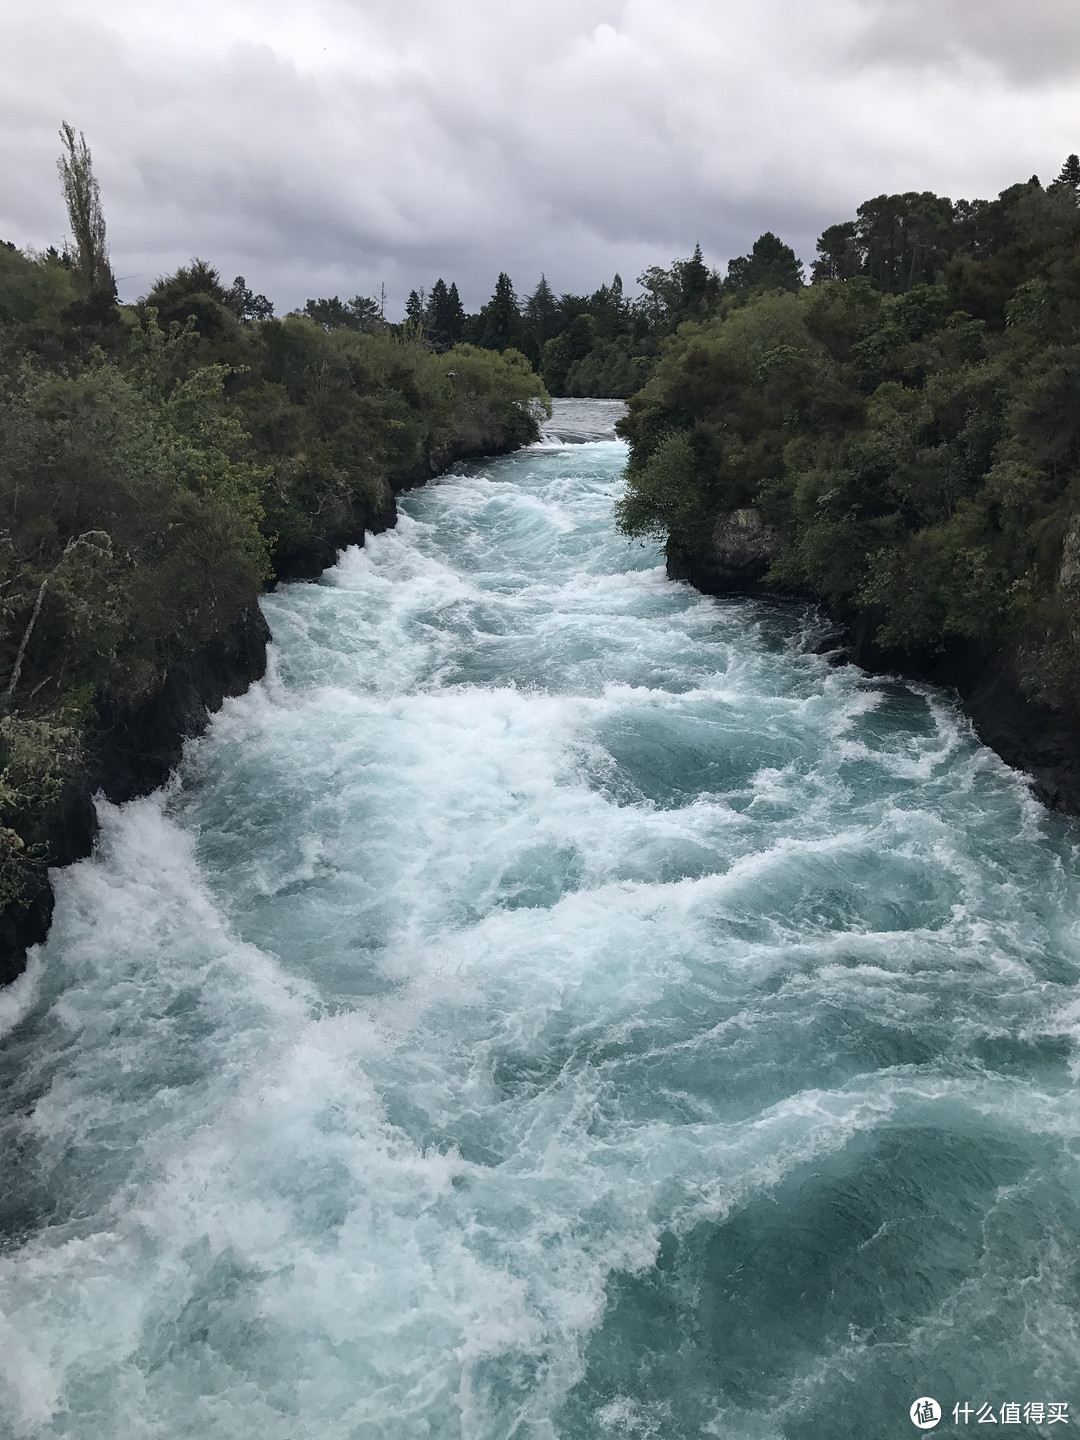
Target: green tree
[(541, 311), (414, 309), (245, 304), (608, 308), (694, 286), (839, 255), (366, 314), (1069, 176), (359, 313), (332, 313), (906, 239), (659, 303), (445, 316), (194, 292), (82, 195), (500, 320), (771, 265)]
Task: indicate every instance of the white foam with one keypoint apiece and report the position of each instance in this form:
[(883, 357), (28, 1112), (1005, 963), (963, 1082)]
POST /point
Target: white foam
[(530, 908), (18, 998)]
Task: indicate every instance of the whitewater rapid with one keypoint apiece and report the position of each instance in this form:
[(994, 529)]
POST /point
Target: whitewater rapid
[(552, 1004)]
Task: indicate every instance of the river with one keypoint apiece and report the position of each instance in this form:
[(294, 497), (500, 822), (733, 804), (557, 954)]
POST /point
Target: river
[(552, 1004)]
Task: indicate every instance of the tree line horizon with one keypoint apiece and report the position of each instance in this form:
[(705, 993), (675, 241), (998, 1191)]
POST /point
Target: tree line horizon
[(905, 431), (604, 344), (908, 422), (160, 465)]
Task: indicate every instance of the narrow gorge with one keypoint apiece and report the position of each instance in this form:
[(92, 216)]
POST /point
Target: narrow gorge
[(554, 1003)]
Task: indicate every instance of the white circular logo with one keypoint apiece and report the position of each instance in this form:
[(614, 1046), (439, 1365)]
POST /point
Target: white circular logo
[(925, 1413)]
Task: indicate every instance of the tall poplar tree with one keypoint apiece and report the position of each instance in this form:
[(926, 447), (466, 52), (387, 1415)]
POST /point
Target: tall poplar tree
[(83, 199)]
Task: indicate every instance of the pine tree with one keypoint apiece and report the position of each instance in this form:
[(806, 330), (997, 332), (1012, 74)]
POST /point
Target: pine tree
[(246, 304), (542, 311), (414, 309), (365, 314), (694, 280), (455, 312), (501, 318), (444, 317), (330, 313), (82, 196), (608, 309), (838, 253), (1069, 178)]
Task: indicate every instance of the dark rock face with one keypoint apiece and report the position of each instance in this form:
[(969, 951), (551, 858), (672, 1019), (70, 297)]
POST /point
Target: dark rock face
[(379, 512), (134, 750), (1029, 736), (1044, 743), (131, 754), (67, 833), (307, 562), (736, 560)]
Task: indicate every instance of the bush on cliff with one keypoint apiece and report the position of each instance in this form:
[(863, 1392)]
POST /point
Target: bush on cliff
[(914, 442), (160, 464)]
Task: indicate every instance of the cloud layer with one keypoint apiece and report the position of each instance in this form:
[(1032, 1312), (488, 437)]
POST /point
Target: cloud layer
[(331, 147)]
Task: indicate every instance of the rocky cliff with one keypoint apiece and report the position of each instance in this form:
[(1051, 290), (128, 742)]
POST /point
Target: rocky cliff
[(1043, 742), (132, 751)]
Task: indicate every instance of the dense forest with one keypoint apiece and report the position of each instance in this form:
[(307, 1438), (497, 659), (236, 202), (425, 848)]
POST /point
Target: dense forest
[(602, 345), (161, 463), (904, 431)]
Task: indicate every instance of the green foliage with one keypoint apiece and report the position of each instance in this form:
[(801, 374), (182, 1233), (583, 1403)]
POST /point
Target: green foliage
[(499, 401), (160, 464), (359, 313), (499, 325), (111, 496), (444, 317), (246, 305), (602, 344), (667, 496), (919, 459), (90, 260), (37, 759), (771, 265), (35, 291), (541, 312)]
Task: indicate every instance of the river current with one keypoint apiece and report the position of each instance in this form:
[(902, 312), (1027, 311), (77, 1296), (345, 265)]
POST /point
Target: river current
[(552, 1005)]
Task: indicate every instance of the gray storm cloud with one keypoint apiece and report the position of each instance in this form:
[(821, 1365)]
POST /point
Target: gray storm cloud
[(1027, 44), (331, 147)]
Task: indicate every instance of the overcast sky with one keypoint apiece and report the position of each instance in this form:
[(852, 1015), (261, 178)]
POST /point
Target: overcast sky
[(328, 146)]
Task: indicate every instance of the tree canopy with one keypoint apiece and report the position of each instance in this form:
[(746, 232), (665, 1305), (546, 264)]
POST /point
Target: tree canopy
[(908, 425), (161, 462)]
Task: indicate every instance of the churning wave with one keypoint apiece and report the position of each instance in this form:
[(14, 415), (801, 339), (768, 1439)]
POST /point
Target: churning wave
[(551, 1004)]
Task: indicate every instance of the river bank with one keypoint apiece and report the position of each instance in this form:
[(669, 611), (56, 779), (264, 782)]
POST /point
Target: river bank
[(132, 750), (550, 998), (1042, 742)]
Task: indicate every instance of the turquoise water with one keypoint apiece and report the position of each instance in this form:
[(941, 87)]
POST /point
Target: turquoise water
[(552, 1004)]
